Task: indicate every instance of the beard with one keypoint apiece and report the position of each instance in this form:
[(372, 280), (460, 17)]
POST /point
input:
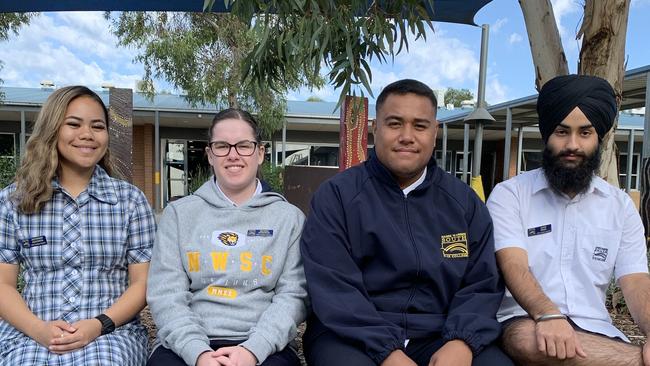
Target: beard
[(570, 179)]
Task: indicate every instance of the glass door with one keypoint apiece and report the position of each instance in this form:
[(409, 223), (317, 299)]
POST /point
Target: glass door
[(175, 170)]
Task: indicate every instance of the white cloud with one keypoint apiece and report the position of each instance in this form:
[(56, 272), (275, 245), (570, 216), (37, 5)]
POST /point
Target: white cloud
[(498, 24), (495, 92), (639, 3), (515, 38), (68, 48), (439, 61), (561, 9)]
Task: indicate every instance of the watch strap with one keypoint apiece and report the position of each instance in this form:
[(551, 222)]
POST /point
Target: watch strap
[(107, 323)]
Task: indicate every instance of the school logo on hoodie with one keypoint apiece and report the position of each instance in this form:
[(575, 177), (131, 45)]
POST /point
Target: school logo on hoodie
[(229, 239), (454, 245)]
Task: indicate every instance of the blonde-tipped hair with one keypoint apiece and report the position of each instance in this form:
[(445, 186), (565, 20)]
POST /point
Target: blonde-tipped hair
[(40, 163)]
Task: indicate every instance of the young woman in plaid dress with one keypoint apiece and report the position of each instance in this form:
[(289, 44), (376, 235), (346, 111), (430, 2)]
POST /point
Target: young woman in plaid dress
[(83, 240)]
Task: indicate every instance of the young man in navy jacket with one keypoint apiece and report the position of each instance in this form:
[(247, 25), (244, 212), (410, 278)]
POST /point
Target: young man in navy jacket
[(399, 255)]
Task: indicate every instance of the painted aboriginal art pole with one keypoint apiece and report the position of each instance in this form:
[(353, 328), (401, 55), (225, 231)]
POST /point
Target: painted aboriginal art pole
[(354, 132), (120, 113)]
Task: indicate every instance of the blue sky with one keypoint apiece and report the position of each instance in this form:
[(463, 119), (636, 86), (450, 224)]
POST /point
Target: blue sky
[(78, 48)]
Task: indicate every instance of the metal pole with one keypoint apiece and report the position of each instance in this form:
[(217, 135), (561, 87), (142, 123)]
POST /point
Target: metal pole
[(465, 150), (156, 154), (630, 159), (478, 136), (506, 148), (520, 147), (444, 147), (284, 142), (646, 120), (274, 154), (23, 134)]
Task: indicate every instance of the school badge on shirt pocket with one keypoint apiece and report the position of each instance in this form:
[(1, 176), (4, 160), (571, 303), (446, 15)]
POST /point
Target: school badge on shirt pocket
[(454, 245)]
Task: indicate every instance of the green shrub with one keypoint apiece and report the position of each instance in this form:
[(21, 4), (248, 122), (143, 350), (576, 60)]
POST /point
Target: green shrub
[(199, 176), (274, 176), (7, 171)]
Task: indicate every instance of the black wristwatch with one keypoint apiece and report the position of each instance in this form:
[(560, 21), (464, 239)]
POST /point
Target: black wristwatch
[(107, 324)]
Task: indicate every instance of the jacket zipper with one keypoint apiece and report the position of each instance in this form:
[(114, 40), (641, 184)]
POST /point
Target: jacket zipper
[(417, 259)]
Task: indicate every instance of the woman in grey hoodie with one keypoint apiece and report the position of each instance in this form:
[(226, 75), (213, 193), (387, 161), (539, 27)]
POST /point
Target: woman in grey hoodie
[(226, 284)]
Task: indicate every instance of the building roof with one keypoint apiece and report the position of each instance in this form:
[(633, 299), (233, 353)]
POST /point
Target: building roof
[(524, 109), (33, 98)]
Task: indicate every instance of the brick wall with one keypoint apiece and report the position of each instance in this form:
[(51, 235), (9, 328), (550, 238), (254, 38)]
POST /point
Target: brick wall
[(143, 159)]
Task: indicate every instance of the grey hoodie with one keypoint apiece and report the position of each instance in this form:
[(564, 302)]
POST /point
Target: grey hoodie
[(228, 273)]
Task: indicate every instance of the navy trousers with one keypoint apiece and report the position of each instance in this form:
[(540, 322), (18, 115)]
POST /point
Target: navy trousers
[(165, 357), (328, 349)]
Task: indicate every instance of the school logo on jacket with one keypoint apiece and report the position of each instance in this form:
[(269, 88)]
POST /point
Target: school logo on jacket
[(454, 245), (228, 238)]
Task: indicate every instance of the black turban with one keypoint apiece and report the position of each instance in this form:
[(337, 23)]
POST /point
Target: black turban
[(560, 95)]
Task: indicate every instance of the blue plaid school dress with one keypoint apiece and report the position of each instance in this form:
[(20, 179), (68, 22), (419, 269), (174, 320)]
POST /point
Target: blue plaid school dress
[(75, 255)]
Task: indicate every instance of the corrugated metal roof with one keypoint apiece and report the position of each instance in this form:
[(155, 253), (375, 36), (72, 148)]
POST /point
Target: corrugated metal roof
[(524, 109), (35, 97)]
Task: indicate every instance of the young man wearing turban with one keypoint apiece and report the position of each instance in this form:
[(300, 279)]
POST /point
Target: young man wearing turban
[(561, 232)]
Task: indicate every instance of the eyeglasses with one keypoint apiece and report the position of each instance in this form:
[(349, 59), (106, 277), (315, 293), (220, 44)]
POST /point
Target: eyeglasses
[(243, 148)]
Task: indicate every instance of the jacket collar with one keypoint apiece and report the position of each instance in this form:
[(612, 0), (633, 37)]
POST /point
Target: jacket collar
[(378, 170)]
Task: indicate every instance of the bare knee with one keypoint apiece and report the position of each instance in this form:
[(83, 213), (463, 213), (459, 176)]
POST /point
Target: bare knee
[(520, 344)]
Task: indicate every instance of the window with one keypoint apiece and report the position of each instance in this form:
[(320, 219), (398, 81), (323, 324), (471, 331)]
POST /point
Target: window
[(459, 164), (531, 159), (309, 155), (448, 162), (622, 168)]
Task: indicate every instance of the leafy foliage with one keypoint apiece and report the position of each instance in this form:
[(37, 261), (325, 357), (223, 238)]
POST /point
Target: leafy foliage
[(274, 176), (341, 35), (7, 171), (199, 176), (11, 23), (456, 96), (202, 54)]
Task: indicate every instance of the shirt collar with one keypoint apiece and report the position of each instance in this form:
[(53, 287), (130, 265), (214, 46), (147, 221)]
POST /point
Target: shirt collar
[(100, 186), (258, 190), (597, 184), (415, 184)]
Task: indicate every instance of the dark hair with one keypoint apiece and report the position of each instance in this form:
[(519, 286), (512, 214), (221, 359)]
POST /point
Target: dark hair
[(406, 86), (235, 113)]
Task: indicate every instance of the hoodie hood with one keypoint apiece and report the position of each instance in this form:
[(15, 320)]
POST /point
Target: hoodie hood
[(210, 193)]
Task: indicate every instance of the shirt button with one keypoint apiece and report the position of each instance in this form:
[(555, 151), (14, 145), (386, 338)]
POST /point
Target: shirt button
[(73, 216), (74, 271), (72, 299)]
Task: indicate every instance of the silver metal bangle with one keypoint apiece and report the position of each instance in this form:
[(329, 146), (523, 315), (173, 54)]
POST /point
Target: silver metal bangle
[(545, 317)]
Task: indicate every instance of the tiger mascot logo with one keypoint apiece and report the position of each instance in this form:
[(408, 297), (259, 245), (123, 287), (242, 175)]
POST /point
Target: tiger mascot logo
[(229, 238)]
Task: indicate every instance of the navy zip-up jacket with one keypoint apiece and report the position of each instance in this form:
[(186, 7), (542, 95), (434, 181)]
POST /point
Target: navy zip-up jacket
[(382, 267)]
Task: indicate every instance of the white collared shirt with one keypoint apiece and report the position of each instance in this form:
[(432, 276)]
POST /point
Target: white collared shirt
[(574, 245), (415, 184), (258, 190)]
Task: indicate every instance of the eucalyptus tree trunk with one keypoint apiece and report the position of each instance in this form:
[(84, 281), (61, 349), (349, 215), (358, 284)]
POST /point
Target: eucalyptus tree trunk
[(544, 38), (603, 32)]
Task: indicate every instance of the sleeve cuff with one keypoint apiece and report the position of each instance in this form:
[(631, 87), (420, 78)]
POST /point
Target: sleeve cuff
[(472, 340), (509, 243), (381, 356), (9, 256), (191, 351), (258, 346), (626, 270)]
